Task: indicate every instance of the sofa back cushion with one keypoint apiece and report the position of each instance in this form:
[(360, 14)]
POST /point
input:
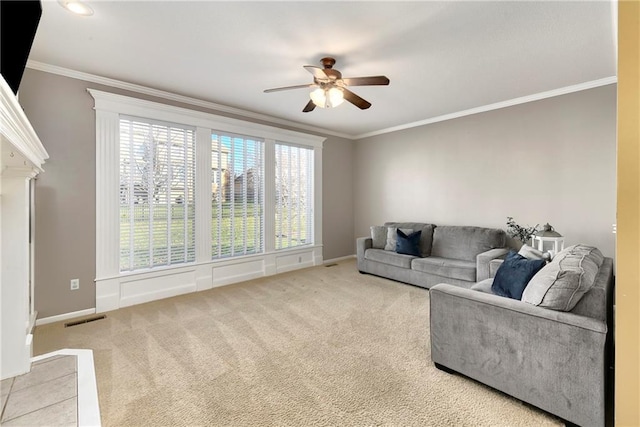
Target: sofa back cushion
[(426, 238), (563, 282), (598, 302), (465, 242)]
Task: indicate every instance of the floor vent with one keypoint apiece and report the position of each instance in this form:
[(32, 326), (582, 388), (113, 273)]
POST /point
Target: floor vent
[(331, 265), (80, 322)]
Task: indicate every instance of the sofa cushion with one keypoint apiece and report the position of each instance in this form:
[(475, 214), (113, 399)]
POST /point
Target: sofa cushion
[(388, 257), (465, 242), (408, 244), (598, 301), (426, 238), (446, 267), (392, 237), (563, 282), (378, 236), (514, 274)]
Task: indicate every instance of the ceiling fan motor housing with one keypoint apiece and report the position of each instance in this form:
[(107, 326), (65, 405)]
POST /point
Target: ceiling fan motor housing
[(328, 64)]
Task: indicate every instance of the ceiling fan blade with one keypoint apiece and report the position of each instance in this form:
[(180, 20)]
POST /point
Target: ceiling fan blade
[(355, 99), (366, 81), (290, 87), (309, 107), (317, 72)]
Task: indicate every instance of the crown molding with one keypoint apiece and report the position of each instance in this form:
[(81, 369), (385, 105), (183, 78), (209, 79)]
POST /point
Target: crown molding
[(53, 69), (257, 116), (496, 106)]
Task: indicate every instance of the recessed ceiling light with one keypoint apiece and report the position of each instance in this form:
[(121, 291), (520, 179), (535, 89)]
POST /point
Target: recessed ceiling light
[(77, 7)]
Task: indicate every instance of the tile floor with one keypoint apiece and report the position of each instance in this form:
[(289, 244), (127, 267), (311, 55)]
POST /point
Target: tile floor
[(48, 395)]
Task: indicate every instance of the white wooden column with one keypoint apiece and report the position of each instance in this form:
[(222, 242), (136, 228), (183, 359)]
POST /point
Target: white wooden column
[(15, 311), (269, 207), (317, 205), (107, 210), (203, 208)]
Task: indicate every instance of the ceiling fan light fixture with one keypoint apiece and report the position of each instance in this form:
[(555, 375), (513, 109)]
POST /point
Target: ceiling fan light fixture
[(327, 98), (336, 96)]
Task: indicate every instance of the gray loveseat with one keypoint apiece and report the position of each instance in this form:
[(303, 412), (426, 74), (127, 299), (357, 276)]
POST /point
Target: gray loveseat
[(555, 360), (458, 255)]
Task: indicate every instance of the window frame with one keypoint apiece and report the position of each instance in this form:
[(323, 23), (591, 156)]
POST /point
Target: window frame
[(115, 289)]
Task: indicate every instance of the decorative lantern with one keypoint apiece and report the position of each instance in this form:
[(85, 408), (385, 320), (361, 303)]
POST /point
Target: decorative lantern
[(548, 237)]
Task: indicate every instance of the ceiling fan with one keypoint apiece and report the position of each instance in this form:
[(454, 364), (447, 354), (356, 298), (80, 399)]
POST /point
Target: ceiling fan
[(332, 87)]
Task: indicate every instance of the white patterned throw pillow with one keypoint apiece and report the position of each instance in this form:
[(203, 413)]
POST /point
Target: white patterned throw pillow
[(561, 284)]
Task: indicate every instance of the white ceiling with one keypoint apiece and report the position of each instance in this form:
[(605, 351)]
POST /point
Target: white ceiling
[(441, 57)]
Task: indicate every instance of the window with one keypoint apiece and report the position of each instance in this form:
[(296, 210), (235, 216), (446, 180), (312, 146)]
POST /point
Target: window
[(237, 195), (187, 200), (157, 189), (294, 196)]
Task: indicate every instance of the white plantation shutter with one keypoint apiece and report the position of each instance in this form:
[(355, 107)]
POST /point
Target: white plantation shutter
[(294, 196), (157, 193), (237, 190)]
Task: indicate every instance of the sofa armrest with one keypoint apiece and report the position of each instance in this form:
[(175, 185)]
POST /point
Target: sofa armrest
[(482, 262), (553, 360), (494, 265), (520, 308), (362, 244)]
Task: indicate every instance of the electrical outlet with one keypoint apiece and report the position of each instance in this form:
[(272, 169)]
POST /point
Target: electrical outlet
[(75, 284), (299, 259)]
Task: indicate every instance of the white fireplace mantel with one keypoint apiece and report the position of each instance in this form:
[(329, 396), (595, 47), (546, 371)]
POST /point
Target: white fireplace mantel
[(21, 158)]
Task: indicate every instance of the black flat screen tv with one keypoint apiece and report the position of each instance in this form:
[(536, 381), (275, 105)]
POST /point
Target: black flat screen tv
[(19, 21)]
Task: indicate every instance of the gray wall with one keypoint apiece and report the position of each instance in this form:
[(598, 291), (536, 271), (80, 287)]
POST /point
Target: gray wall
[(337, 198), (547, 161), (552, 161), (61, 112)]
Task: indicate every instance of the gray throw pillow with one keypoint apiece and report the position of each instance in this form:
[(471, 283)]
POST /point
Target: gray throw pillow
[(562, 282), (426, 240), (392, 237), (378, 236)]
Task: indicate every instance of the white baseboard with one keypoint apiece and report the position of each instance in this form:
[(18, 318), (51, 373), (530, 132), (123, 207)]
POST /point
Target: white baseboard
[(342, 258), (65, 316)]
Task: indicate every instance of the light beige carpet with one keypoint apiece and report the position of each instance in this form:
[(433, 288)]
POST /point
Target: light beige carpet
[(324, 346)]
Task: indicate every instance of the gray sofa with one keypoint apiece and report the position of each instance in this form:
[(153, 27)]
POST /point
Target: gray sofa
[(558, 361), (458, 255)]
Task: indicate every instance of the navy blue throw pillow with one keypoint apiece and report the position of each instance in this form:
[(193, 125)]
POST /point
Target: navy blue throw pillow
[(408, 245), (514, 275)]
